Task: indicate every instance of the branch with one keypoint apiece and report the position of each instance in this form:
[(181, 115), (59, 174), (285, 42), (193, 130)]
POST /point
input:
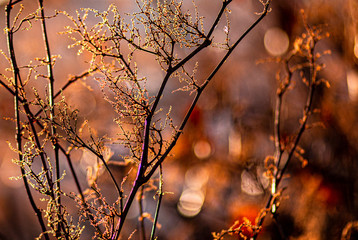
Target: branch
[(159, 203), (51, 104), (313, 83), (201, 89), (18, 136)]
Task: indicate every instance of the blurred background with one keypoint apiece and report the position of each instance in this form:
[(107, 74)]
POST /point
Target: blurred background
[(216, 173)]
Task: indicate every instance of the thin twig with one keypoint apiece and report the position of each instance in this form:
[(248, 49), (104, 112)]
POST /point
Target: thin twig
[(141, 212), (52, 109), (159, 203)]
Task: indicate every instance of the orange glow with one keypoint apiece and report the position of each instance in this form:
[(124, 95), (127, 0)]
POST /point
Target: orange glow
[(191, 202), (8, 171), (352, 84), (356, 47), (202, 149), (276, 41)]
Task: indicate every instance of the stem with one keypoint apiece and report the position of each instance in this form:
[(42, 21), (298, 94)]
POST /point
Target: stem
[(16, 72), (156, 216), (126, 209), (307, 110), (51, 104), (140, 201), (51, 88)]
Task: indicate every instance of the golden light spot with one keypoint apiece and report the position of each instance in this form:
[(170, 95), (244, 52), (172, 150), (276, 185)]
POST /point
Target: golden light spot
[(196, 178), (235, 144), (276, 41), (202, 149), (356, 46), (192, 198), (352, 84), (190, 202)]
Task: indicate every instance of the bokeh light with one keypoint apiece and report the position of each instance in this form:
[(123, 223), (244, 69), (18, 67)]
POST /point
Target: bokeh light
[(192, 198), (356, 46), (202, 149), (190, 202), (276, 41), (352, 84), (235, 144)]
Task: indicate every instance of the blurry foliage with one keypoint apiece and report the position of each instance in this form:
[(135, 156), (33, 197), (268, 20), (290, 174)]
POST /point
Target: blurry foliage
[(243, 157)]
